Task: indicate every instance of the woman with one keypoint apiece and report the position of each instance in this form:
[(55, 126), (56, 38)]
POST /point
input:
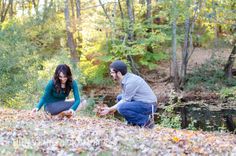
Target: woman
[(56, 92)]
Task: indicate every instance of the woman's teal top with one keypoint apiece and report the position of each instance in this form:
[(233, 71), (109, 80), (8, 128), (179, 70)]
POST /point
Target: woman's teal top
[(50, 95)]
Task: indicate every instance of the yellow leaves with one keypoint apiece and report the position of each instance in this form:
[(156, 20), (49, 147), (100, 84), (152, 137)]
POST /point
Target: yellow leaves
[(79, 150), (175, 139)]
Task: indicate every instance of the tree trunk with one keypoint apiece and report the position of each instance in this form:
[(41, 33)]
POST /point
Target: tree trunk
[(230, 63), (45, 9), (29, 8), (149, 11), (185, 51), (70, 39), (11, 9), (174, 54), (142, 2), (149, 23), (80, 38), (4, 9), (122, 16), (36, 6), (215, 49), (113, 17), (131, 20), (78, 8), (73, 21), (121, 11), (133, 65)]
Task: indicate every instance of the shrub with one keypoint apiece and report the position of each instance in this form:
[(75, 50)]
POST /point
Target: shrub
[(228, 93), (169, 118), (209, 76)]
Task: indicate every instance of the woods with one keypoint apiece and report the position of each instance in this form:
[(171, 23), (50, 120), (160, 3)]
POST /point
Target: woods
[(184, 49)]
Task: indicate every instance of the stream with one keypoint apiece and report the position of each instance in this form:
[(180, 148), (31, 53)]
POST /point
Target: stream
[(206, 116)]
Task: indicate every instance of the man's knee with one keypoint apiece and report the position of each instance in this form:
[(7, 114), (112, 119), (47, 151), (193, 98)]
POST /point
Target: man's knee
[(119, 97), (121, 109)]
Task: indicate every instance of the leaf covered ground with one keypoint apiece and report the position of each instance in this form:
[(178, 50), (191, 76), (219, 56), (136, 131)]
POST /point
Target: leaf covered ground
[(23, 134)]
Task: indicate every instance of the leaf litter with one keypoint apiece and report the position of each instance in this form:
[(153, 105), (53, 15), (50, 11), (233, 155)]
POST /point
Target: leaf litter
[(24, 134)]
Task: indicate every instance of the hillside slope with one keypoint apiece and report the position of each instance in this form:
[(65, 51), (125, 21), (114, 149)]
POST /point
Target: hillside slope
[(24, 134)]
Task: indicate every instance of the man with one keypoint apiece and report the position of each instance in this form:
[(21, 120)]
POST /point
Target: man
[(137, 101)]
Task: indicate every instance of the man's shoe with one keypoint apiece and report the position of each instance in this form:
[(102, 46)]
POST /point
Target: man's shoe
[(130, 124), (149, 124)]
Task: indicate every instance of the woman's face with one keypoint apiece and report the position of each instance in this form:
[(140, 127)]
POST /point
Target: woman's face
[(62, 78)]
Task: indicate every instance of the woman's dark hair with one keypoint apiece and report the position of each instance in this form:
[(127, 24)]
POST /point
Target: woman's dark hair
[(65, 69)]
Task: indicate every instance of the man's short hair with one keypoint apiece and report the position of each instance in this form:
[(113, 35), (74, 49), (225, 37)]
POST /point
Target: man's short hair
[(119, 66)]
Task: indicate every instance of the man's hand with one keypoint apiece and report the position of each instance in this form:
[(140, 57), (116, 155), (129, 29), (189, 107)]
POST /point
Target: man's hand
[(105, 111)]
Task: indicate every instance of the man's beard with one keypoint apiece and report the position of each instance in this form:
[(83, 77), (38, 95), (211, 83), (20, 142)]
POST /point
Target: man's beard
[(116, 78)]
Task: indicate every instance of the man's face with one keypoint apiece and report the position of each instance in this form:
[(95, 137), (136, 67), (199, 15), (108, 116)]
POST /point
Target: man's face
[(114, 74)]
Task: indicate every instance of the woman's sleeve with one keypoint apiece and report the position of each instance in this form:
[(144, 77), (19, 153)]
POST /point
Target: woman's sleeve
[(76, 95), (46, 94)]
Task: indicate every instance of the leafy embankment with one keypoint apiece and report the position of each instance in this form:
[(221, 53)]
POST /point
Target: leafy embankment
[(23, 134)]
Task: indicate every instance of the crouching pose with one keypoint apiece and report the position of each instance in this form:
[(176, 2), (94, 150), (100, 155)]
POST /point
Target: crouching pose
[(137, 101), (56, 91)]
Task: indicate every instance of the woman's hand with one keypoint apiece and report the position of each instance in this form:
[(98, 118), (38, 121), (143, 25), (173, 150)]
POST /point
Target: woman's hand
[(68, 113), (35, 110), (71, 112)]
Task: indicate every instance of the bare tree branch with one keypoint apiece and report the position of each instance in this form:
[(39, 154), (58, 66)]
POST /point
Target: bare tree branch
[(105, 12)]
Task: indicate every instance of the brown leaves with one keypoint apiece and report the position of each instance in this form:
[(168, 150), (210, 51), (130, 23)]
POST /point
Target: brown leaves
[(22, 134)]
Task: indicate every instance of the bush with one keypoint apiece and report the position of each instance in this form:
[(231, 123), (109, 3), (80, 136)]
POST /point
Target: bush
[(209, 76), (95, 74), (228, 93), (168, 117), (24, 67), (18, 63)]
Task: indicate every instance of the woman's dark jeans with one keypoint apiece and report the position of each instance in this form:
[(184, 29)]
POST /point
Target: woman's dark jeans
[(58, 107), (136, 112)]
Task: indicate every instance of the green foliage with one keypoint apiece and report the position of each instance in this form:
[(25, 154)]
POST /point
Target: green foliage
[(94, 74), (17, 64), (47, 34), (25, 68), (89, 109), (209, 76), (168, 117), (191, 125), (228, 93), (147, 46), (149, 58)]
